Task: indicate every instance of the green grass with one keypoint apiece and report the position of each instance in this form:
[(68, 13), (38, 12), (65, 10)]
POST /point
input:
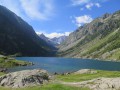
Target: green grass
[(96, 47), (7, 62), (84, 77), (99, 44), (1, 73), (115, 55), (48, 87)]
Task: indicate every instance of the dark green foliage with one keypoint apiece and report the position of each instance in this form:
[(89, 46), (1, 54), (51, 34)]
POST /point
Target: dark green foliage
[(17, 36), (6, 62)]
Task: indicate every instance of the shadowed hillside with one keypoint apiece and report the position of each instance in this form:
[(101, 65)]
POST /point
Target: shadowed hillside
[(18, 37)]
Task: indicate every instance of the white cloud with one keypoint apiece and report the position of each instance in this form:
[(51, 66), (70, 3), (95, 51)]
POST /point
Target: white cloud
[(13, 7), (79, 2), (37, 9), (82, 20), (34, 9), (54, 34), (84, 2), (98, 5), (90, 5)]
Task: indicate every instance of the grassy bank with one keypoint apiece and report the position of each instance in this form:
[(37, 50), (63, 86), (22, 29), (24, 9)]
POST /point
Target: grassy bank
[(84, 77), (6, 62), (48, 87), (1, 73)]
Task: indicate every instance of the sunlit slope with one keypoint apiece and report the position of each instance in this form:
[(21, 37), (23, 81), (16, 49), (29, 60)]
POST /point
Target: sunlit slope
[(98, 39)]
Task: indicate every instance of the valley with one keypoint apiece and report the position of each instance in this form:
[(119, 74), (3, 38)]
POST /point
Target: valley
[(33, 59)]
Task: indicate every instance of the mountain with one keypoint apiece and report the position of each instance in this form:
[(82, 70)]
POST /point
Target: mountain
[(59, 40), (97, 39), (53, 41), (42, 36), (18, 37), (48, 41)]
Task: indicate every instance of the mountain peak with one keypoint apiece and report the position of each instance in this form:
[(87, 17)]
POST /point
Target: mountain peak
[(106, 15)]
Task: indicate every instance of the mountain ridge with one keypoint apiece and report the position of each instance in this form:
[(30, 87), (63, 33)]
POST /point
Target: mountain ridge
[(97, 39), (19, 38), (55, 41)]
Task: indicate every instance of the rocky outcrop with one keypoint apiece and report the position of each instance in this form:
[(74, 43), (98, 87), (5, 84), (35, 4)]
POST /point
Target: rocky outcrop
[(3, 69), (101, 84), (24, 78), (98, 84), (85, 71)]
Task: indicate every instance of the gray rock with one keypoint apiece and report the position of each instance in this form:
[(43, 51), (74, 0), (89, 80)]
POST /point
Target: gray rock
[(85, 71), (98, 84), (3, 69), (24, 78)]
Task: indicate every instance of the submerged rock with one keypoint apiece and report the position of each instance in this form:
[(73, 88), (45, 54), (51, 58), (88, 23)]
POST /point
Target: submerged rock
[(24, 78)]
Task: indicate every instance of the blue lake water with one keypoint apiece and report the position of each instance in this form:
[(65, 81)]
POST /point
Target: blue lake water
[(60, 65)]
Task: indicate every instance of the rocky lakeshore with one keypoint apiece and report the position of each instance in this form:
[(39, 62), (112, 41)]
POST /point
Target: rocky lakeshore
[(101, 83), (8, 62), (92, 79), (85, 78)]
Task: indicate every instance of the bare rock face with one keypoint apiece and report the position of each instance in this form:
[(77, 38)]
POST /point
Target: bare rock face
[(85, 71), (24, 78)]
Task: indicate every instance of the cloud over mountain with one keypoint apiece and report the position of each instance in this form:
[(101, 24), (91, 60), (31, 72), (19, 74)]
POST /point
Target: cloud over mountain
[(33, 9)]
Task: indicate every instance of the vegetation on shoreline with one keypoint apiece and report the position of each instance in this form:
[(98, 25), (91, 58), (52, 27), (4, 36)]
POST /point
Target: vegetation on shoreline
[(6, 62), (48, 87), (84, 77), (1, 73)]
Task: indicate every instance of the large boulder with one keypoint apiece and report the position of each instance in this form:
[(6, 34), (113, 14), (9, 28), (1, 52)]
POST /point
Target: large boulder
[(24, 78)]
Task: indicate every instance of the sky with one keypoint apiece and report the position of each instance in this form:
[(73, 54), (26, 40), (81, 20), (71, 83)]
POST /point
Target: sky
[(55, 18)]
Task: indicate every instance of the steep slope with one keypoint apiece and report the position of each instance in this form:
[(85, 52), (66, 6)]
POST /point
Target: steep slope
[(48, 40), (18, 37), (59, 40), (53, 41), (98, 39), (42, 36)]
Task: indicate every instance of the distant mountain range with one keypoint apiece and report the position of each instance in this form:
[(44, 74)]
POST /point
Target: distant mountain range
[(98, 39), (59, 40), (53, 41), (18, 37)]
